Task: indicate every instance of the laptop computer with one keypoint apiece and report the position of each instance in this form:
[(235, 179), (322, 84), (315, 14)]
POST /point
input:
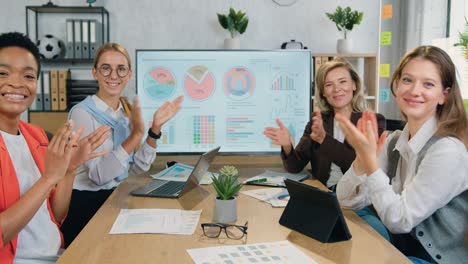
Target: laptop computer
[(175, 189), (314, 213)]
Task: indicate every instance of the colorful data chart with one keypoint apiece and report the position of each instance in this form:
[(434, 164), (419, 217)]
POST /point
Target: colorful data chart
[(204, 129), (275, 252), (199, 83), (239, 83), (283, 82), (167, 134), (159, 83), (239, 129)]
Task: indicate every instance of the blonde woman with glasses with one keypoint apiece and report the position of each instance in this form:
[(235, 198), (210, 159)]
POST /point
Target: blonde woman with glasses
[(97, 178)]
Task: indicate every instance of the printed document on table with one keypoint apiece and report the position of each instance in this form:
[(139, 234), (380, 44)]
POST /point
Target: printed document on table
[(181, 172), (162, 221), (277, 197), (274, 252)]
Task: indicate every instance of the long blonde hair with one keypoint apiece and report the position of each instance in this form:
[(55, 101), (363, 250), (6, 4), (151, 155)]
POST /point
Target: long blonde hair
[(451, 116), (110, 46), (358, 102)]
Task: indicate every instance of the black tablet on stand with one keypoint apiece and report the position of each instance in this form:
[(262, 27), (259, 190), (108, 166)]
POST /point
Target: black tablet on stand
[(314, 213)]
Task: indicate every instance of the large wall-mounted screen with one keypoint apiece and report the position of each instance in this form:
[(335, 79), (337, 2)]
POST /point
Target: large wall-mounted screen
[(230, 96)]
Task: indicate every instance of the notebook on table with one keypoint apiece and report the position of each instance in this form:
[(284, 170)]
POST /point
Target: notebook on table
[(175, 189)]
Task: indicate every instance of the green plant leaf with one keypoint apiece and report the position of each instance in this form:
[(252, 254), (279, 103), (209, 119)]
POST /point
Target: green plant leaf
[(222, 19), (226, 185), (234, 22), (345, 19)]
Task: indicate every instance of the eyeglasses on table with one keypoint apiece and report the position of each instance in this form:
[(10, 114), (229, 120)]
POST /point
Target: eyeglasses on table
[(213, 230)]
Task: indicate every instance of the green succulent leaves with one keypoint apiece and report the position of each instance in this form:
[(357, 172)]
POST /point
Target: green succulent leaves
[(234, 22), (345, 19), (226, 185)]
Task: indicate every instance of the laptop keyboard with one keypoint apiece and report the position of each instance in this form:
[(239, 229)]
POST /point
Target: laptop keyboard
[(168, 188)]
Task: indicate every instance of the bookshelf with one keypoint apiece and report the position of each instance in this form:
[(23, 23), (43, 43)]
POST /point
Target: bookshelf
[(81, 31), (366, 66), (50, 19)]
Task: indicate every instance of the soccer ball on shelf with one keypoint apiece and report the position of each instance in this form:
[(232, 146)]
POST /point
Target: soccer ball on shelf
[(50, 47)]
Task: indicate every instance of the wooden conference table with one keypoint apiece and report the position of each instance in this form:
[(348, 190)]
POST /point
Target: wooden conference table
[(95, 245)]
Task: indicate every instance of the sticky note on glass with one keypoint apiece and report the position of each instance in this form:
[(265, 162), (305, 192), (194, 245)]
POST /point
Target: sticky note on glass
[(387, 11), (386, 38), (384, 94), (384, 70)]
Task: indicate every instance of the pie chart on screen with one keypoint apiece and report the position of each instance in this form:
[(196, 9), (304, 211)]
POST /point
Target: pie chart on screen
[(159, 83), (238, 83), (199, 83)]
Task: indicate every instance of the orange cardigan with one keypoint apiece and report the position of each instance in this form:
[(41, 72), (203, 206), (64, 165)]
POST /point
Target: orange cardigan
[(9, 187)]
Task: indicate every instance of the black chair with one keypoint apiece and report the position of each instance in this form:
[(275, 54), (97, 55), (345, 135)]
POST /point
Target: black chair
[(393, 125)]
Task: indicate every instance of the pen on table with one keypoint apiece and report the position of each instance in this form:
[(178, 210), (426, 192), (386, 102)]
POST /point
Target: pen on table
[(256, 181)]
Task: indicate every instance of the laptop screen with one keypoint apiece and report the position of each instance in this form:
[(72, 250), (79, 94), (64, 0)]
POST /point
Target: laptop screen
[(200, 169)]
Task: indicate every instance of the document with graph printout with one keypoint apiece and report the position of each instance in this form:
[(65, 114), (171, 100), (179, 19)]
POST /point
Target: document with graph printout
[(162, 221), (275, 252)]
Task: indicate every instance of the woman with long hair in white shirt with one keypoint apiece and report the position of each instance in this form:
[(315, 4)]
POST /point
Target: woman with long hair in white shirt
[(416, 179), (97, 178)]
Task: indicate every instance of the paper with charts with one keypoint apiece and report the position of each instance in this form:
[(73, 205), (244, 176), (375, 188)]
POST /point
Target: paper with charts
[(181, 172), (162, 221), (277, 197), (275, 252)]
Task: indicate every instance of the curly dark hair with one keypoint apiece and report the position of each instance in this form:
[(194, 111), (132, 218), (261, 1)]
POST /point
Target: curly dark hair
[(16, 39)]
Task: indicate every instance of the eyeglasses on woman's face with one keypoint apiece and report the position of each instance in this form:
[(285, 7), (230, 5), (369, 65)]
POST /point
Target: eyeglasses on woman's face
[(213, 230), (106, 70)]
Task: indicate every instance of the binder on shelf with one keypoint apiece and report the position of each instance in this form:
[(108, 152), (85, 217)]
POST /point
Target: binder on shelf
[(85, 38), (70, 52), (46, 91), (325, 59), (78, 90), (317, 64), (62, 89), (37, 104), (78, 40), (54, 98), (95, 37)]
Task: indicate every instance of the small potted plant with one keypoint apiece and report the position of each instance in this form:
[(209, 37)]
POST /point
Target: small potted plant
[(236, 23), (345, 19), (226, 186), (463, 40)]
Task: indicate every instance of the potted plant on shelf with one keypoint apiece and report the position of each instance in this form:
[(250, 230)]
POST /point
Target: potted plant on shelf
[(345, 19), (226, 186), (236, 23), (463, 40)]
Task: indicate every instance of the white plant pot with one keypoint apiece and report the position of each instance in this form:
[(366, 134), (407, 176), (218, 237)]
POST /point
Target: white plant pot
[(232, 43), (344, 46), (225, 211)]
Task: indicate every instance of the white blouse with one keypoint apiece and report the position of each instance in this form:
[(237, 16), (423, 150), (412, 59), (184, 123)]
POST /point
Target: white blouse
[(411, 198), (100, 173)]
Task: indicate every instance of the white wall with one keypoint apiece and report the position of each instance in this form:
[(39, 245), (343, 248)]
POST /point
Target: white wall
[(192, 24)]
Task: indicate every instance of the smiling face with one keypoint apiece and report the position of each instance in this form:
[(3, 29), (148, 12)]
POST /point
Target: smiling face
[(18, 81), (338, 89), (111, 85), (419, 90)]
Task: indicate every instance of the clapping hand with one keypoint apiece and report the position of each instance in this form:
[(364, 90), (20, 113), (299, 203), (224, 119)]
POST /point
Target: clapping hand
[(318, 132), (165, 112), (279, 136), (87, 145), (364, 139), (59, 152)]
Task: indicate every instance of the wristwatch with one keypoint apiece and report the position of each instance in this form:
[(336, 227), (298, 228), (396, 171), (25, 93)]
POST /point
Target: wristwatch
[(151, 134)]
